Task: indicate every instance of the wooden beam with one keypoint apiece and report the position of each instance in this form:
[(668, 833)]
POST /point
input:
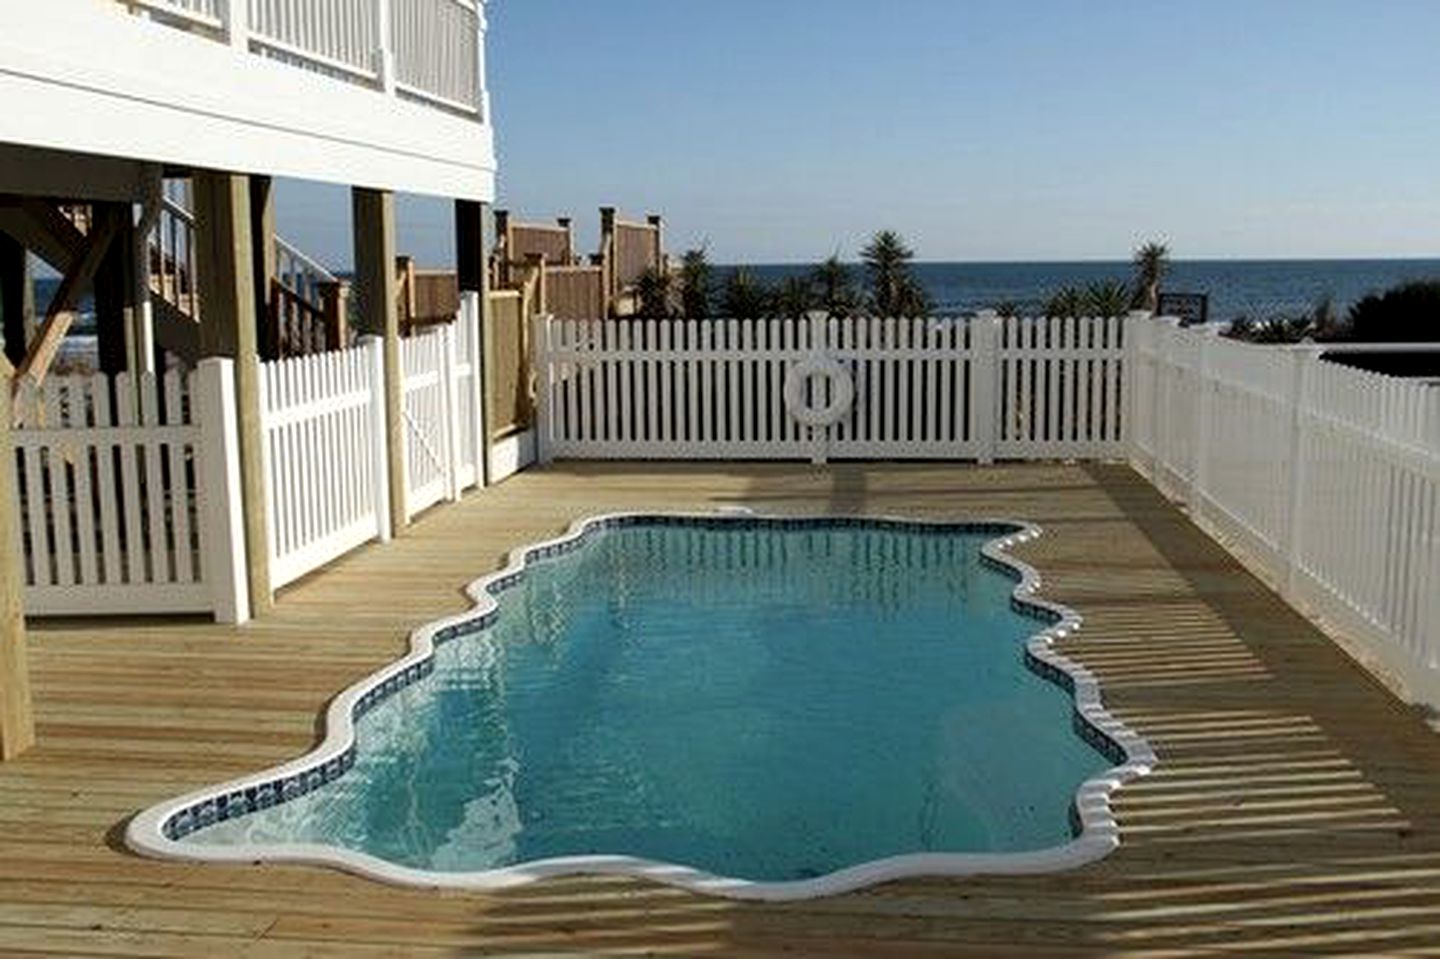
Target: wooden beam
[(373, 219), (226, 289), (46, 231), (17, 298), (60, 313), (17, 721)]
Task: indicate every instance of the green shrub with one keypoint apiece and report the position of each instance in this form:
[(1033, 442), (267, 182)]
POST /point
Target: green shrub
[(1408, 313)]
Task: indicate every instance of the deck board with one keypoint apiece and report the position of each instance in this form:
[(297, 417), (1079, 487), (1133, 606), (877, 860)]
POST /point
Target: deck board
[(1296, 808)]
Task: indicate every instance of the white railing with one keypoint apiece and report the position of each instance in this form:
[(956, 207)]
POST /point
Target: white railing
[(323, 422), (427, 50), (132, 506), (209, 14), (924, 388), (437, 51), (341, 35), (1324, 478), (172, 253), (300, 273)]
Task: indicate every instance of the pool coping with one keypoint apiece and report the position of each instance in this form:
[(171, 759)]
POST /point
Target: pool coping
[(156, 832)]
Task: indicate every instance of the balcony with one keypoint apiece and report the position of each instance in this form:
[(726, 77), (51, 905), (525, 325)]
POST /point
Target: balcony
[(388, 94), (430, 51)]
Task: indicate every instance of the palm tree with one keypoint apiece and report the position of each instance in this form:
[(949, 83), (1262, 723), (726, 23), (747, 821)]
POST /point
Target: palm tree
[(654, 293), (834, 287), (744, 297), (695, 284), (1152, 262), (893, 290), (1107, 298), (1065, 302), (795, 297)]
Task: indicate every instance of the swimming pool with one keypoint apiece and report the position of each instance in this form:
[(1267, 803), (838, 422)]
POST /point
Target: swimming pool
[(756, 707)]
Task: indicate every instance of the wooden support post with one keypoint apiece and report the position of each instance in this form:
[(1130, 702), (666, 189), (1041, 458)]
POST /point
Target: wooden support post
[(17, 721), (656, 221), (471, 277), (373, 219), (567, 224), (226, 287), (503, 249), (335, 305), (405, 300), (262, 244), (608, 288), (17, 298), (115, 293)]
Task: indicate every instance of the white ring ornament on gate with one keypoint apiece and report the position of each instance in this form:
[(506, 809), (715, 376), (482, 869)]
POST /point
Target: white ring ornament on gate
[(842, 390)]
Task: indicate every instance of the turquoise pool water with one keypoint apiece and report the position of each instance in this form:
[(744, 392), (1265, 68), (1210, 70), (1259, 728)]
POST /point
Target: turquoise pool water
[(766, 704)]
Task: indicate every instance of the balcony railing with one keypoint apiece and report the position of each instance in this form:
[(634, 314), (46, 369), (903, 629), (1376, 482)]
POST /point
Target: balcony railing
[(431, 51)]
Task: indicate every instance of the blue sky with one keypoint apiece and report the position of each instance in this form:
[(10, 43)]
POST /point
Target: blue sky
[(783, 130)]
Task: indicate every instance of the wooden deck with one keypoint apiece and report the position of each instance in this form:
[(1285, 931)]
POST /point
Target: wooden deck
[(1297, 807)]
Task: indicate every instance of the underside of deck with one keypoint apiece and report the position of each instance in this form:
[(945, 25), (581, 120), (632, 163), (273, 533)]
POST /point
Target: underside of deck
[(1296, 806)]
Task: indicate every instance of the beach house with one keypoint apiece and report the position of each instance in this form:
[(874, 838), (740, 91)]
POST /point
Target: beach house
[(138, 147)]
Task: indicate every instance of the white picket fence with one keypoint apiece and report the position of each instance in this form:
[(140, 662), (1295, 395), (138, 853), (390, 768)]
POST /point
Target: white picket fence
[(323, 421), (128, 495), (1326, 479), (923, 388)]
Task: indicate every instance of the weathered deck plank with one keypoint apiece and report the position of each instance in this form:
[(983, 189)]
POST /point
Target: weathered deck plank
[(1297, 807)]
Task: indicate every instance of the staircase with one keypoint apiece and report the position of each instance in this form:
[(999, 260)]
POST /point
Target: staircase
[(304, 311)]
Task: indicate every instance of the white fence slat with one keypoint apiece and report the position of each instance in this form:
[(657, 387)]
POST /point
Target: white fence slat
[(180, 494)]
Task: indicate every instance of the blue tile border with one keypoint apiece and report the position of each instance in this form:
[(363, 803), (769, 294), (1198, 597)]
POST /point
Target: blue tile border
[(160, 830)]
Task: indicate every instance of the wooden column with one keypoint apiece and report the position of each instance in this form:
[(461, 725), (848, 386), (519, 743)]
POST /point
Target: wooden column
[(470, 259), (115, 292), (17, 298), (377, 293), (262, 242), (17, 721), (226, 286)]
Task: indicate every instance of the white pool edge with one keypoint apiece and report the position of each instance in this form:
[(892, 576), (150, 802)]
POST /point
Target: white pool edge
[(1099, 832)]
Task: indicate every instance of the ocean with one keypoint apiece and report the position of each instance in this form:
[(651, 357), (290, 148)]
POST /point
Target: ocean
[(1258, 289)]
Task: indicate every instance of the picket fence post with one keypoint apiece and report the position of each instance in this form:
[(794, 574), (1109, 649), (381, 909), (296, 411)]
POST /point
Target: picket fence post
[(380, 459), (222, 517), (544, 386), (451, 409), (1303, 360), (818, 330), (470, 316), (1199, 468), (985, 384)]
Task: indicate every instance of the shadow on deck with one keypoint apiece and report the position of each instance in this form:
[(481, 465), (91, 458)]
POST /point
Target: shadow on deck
[(1295, 808)]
